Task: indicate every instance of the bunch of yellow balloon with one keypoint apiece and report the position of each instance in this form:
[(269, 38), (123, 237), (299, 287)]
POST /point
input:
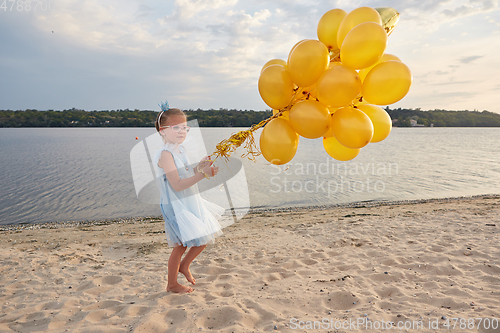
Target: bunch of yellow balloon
[(333, 87)]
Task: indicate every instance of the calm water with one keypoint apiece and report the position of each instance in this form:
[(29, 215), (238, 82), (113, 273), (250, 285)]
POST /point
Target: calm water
[(63, 174)]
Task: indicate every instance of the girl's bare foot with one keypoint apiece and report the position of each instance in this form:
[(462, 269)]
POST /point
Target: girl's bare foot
[(187, 274), (179, 288)]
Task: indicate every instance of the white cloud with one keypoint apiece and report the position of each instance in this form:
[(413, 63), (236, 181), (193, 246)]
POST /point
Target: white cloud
[(209, 53), (470, 8), (188, 9), (469, 59)]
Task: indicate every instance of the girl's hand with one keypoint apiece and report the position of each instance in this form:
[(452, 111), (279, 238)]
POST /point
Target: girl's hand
[(205, 166), (214, 170), (205, 161)]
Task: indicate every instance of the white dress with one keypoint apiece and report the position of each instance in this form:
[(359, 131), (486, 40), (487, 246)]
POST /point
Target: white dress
[(190, 220)]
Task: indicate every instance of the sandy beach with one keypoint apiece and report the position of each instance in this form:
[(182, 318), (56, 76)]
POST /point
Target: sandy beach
[(407, 266)]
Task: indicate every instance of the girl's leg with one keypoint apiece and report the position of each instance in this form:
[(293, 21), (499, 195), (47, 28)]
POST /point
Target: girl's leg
[(173, 270), (188, 259)]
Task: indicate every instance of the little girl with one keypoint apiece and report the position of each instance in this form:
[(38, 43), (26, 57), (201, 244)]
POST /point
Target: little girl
[(190, 221)]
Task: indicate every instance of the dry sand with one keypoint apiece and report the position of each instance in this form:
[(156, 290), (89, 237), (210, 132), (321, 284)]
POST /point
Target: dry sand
[(407, 263)]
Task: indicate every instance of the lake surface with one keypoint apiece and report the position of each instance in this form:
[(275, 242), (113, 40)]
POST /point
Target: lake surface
[(67, 174)]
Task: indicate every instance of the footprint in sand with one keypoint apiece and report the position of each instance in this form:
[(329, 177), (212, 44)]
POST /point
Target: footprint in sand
[(245, 273), (226, 293), (135, 311), (264, 315), (219, 318), (272, 277), (309, 261), (176, 316), (102, 305), (293, 264), (212, 270), (40, 324), (341, 300), (389, 292), (52, 305), (437, 248), (97, 316), (111, 280), (319, 255), (389, 262), (85, 286), (225, 286)]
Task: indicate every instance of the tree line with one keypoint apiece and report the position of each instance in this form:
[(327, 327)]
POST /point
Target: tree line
[(125, 118), (226, 118), (443, 118)]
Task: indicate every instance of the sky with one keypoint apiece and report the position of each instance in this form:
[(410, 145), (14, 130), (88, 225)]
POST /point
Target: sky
[(118, 54)]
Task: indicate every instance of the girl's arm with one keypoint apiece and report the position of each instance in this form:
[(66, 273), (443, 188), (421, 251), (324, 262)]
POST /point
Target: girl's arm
[(166, 162)]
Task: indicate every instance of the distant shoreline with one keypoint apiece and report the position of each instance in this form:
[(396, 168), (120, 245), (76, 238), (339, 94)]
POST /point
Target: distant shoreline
[(227, 118)]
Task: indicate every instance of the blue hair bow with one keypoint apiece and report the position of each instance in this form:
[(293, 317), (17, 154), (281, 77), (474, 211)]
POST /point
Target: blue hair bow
[(164, 106)]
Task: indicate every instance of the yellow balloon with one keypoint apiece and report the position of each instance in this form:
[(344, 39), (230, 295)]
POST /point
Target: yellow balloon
[(338, 86), (311, 91), (274, 62), (328, 27), (276, 86), (333, 64), (338, 151), (352, 127), (293, 48), (309, 118), (307, 61), (332, 110), (387, 83), (359, 99), (382, 123), (329, 131), (386, 57), (363, 46), (357, 16), (278, 141), (284, 115)]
